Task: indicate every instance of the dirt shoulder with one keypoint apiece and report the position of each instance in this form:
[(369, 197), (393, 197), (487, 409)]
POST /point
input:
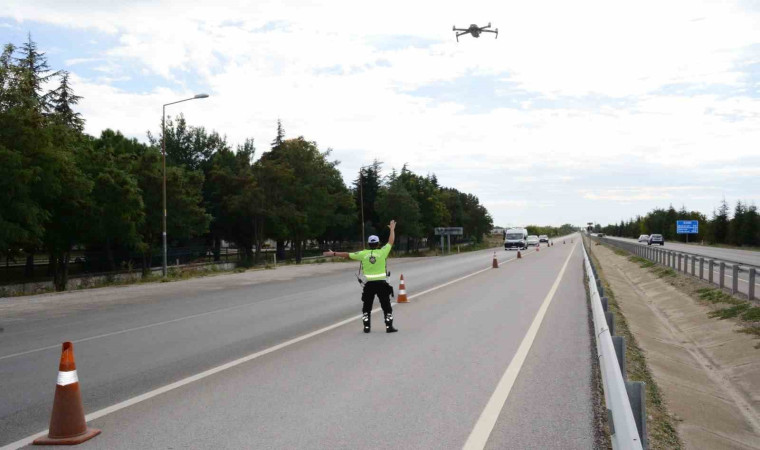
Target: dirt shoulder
[(705, 372)]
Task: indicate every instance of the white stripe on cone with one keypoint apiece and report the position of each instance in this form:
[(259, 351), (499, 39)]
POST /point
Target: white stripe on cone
[(67, 378)]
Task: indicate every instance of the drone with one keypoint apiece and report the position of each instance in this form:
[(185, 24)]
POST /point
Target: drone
[(475, 30)]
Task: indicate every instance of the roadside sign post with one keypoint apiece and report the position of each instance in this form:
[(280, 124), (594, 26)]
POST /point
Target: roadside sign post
[(687, 227), (448, 232)]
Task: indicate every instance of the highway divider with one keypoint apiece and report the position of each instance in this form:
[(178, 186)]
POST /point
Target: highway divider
[(625, 400), (742, 278)]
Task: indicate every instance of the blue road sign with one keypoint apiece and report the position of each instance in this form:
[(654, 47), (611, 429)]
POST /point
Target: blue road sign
[(687, 226)]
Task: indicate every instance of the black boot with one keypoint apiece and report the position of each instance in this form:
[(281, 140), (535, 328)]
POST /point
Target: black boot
[(365, 320), (389, 324)]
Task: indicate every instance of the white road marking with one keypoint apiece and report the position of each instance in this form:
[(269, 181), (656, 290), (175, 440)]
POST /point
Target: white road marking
[(483, 427), (169, 387)]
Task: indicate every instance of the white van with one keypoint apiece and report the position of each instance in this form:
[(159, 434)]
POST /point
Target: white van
[(516, 238)]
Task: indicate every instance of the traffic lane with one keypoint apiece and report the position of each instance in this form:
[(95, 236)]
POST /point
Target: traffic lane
[(423, 387), (555, 382), (726, 254), (126, 364), (84, 314)]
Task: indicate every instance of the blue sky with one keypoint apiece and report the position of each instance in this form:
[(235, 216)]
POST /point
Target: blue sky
[(577, 112)]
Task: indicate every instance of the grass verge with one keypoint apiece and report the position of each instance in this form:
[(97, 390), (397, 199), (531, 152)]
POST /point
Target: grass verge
[(660, 424)]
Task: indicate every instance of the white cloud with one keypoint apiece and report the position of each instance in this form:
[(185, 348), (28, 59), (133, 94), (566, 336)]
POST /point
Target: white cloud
[(264, 60)]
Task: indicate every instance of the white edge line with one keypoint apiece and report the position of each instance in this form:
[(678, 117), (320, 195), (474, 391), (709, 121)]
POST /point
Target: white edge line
[(487, 420), (169, 387)]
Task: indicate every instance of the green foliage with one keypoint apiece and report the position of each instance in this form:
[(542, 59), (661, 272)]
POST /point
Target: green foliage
[(743, 229)]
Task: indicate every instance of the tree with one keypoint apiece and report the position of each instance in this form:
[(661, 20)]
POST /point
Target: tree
[(187, 146), (186, 216), (306, 204), (117, 208), (720, 222), (61, 101), (31, 72), (395, 202), (280, 136), (239, 202)]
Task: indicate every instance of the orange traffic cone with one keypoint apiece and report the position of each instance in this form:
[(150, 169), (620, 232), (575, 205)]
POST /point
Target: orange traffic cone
[(495, 264), (519, 255), (67, 424), (402, 291)]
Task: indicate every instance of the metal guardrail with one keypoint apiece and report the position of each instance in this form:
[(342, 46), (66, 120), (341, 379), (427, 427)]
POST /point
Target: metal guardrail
[(698, 266), (621, 397)]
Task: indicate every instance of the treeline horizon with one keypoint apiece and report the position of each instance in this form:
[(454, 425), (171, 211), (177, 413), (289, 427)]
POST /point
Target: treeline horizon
[(62, 189), (742, 228)]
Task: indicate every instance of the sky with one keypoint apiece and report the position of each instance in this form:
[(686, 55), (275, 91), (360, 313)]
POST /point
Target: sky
[(588, 111)]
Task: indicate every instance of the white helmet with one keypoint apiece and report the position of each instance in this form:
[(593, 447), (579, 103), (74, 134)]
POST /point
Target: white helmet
[(373, 240)]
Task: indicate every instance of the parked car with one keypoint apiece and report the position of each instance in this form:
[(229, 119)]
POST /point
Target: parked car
[(600, 235), (543, 238), (656, 239), (533, 240), (644, 238)]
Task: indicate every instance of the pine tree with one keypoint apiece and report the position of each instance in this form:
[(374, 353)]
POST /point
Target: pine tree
[(737, 224), (720, 224), (61, 100), (31, 72), (278, 140)]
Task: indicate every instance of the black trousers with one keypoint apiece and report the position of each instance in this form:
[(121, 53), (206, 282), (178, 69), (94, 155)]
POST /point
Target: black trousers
[(383, 291)]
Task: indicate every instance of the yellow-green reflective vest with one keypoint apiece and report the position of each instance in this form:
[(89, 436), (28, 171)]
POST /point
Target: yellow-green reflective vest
[(373, 262)]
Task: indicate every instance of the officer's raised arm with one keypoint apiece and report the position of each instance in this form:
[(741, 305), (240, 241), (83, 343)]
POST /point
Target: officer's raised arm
[(392, 237)]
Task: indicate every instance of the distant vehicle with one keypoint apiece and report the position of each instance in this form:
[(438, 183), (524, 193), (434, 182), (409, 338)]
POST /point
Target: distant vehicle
[(644, 238), (516, 238), (475, 30), (543, 238), (656, 239), (600, 234), (533, 240)]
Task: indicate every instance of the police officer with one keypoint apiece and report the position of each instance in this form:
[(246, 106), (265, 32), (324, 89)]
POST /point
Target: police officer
[(374, 268)]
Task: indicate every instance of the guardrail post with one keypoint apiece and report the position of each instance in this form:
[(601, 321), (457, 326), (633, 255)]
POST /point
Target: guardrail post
[(599, 287), (701, 268), (605, 303), (735, 279), (711, 270), (751, 289), (637, 397), (619, 343), (610, 322), (693, 266), (722, 274), (680, 256)]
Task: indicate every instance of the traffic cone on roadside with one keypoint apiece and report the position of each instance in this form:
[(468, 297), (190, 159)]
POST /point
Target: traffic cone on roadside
[(495, 264), (67, 424), (519, 256), (402, 291)]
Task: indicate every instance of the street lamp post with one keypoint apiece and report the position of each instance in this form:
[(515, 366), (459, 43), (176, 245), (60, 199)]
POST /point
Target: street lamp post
[(361, 196), (163, 153)]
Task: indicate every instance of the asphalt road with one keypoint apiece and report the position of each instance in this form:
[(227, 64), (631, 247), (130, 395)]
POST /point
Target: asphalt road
[(424, 387)]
